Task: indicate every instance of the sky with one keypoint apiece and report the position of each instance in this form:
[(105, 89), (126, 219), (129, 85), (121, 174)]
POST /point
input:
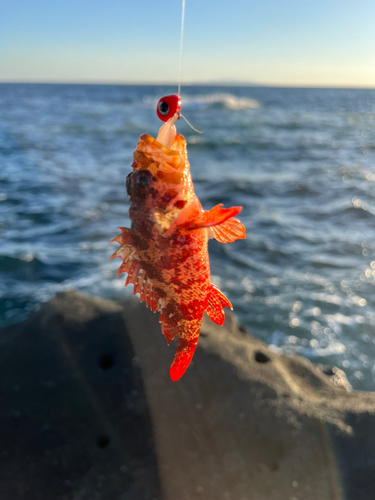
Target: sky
[(328, 43)]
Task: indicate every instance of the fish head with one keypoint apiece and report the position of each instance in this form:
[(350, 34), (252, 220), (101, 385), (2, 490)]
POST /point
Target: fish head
[(160, 184)]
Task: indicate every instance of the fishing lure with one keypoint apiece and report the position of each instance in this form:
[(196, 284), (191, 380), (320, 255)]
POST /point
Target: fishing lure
[(165, 251), (168, 106)]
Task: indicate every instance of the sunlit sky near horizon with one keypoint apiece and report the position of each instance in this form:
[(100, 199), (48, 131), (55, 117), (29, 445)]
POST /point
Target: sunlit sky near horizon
[(271, 42)]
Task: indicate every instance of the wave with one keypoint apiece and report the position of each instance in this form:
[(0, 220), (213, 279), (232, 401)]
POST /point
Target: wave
[(221, 100), (9, 264)]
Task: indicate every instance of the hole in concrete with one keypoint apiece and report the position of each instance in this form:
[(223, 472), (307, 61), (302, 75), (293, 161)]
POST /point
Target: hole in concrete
[(106, 361), (260, 357), (327, 370), (103, 441)]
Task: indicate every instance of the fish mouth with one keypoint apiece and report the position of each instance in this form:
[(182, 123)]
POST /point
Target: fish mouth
[(153, 155)]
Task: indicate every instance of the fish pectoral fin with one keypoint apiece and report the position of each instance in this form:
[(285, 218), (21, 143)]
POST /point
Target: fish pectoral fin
[(216, 301), (188, 214), (219, 221), (215, 217), (228, 231)]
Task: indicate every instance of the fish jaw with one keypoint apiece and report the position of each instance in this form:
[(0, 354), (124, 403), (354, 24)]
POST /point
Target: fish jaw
[(154, 156)]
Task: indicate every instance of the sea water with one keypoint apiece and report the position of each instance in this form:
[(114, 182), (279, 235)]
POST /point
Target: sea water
[(301, 162)]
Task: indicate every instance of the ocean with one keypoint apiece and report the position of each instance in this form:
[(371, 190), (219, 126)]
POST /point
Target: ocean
[(301, 162)]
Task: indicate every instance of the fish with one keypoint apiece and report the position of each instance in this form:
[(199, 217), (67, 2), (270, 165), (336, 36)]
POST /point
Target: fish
[(165, 251)]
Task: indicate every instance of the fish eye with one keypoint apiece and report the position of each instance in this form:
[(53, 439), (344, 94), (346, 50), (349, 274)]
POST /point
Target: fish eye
[(163, 108), (143, 179), (129, 183)]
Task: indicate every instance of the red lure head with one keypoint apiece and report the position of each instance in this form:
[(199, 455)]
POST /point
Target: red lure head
[(168, 106)]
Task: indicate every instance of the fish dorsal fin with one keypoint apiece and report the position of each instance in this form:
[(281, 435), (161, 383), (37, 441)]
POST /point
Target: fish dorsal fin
[(125, 238), (126, 249), (228, 231), (136, 274), (142, 285), (216, 301), (146, 291)]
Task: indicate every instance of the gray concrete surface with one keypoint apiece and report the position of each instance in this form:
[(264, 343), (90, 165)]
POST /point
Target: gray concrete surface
[(89, 412)]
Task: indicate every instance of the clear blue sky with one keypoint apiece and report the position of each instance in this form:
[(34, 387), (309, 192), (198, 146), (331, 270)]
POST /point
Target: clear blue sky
[(274, 42)]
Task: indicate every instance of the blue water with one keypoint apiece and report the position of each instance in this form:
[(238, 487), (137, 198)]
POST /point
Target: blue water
[(300, 161)]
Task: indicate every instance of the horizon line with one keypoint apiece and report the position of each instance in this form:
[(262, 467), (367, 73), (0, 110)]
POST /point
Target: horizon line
[(212, 83)]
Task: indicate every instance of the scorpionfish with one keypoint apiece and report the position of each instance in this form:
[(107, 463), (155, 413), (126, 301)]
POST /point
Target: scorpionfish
[(165, 251)]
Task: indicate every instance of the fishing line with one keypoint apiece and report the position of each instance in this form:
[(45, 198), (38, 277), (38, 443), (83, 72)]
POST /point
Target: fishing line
[(182, 36), (180, 64), (190, 125)]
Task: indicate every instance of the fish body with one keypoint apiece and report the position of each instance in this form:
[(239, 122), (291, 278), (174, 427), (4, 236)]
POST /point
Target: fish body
[(165, 251)]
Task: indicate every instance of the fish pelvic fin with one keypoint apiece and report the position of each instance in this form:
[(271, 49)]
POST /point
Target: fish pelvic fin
[(216, 301)]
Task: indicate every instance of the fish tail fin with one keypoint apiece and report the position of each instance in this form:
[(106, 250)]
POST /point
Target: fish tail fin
[(183, 356), (216, 301), (188, 331)]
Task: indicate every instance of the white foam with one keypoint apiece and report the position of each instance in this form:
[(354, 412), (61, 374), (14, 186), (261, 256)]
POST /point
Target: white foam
[(333, 348), (227, 100)]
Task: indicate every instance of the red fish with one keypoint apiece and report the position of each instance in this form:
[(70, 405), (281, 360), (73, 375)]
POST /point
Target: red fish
[(165, 252)]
